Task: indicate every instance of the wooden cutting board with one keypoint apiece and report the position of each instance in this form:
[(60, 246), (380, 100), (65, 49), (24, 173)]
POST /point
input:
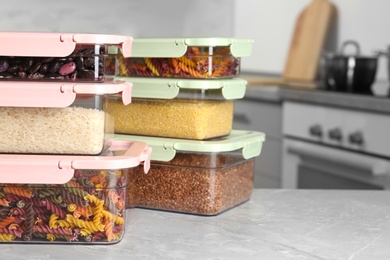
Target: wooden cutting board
[(310, 32)]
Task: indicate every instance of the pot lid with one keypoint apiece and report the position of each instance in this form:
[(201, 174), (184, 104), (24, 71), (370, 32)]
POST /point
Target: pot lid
[(342, 53)]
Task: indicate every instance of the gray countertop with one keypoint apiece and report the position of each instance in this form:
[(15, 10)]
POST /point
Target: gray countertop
[(273, 224), (378, 104), (265, 92), (337, 99)]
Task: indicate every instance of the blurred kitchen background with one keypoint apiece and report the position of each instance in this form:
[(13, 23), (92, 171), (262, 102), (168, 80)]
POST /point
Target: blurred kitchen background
[(358, 133)]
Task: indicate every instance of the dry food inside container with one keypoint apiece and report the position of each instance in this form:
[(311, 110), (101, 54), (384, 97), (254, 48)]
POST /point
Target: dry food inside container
[(177, 118), (72, 122), (178, 108), (84, 204), (197, 177), (60, 57), (196, 58)]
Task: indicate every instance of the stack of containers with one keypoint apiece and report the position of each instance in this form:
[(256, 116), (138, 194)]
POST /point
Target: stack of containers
[(59, 178), (183, 101)]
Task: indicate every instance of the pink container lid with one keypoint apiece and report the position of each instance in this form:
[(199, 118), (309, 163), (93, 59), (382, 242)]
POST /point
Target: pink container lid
[(57, 169), (57, 94), (45, 44)]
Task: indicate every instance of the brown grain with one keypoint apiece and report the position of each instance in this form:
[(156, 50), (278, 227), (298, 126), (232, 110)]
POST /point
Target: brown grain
[(203, 184)]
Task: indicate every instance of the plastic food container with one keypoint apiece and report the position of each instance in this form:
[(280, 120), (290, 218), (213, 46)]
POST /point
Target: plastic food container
[(61, 199), (59, 56), (197, 177), (178, 108), (57, 118), (202, 58)]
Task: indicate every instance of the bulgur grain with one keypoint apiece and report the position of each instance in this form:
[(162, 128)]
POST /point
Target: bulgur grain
[(179, 118), (192, 183)]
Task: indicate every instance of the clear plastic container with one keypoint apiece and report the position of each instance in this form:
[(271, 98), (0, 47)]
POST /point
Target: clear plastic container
[(196, 58), (57, 118), (179, 108), (197, 177), (59, 56), (67, 199)]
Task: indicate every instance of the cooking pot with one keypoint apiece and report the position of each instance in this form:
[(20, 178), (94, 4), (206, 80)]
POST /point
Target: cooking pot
[(349, 73)]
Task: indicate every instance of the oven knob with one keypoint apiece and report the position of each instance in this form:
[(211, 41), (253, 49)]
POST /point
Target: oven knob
[(356, 138), (335, 134), (315, 130)]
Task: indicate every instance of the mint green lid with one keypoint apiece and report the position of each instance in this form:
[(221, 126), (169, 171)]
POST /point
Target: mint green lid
[(164, 149), (169, 88), (177, 47)]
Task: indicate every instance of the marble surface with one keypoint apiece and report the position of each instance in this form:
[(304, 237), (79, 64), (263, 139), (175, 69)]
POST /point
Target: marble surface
[(274, 224)]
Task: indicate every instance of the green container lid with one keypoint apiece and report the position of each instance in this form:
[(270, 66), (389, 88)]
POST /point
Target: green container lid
[(164, 149), (163, 88), (177, 47)]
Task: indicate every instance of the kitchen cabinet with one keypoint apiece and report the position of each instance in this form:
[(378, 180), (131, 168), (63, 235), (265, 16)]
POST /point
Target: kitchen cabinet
[(260, 110)]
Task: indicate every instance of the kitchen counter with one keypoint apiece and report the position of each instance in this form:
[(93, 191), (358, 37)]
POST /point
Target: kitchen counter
[(274, 224), (337, 99), (279, 93), (378, 104)]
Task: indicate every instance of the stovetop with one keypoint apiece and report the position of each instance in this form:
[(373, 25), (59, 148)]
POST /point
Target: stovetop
[(357, 130)]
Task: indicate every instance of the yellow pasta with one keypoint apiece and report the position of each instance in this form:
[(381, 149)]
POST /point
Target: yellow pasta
[(85, 224), (7, 237), (187, 62), (99, 205), (71, 207), (151, 67), (51, 237), (53, 221), (65, 224)]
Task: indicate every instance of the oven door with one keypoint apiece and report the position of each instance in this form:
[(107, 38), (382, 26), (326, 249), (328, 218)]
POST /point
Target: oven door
[(315, 166)]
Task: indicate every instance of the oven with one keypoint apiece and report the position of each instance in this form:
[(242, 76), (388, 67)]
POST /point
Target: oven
[(334, 148)]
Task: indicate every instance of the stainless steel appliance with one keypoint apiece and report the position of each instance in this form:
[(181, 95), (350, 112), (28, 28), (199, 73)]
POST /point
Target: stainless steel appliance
[(334, 148)]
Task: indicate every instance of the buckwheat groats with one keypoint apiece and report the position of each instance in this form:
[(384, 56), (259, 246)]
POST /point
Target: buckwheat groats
[(198, 177), (191, 184), (177, 118)]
